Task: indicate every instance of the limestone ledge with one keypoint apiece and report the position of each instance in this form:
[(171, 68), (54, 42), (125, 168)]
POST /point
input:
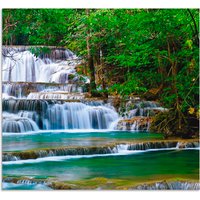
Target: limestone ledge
[(105, 149), (135, 123)]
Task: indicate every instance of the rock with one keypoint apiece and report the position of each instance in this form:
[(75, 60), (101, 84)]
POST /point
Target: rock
[(135, 123), (172, 185)]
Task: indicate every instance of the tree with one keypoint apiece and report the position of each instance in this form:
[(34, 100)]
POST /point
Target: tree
[(90, 57)]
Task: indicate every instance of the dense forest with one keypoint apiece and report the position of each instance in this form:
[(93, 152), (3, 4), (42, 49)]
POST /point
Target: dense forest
[(153, 53)]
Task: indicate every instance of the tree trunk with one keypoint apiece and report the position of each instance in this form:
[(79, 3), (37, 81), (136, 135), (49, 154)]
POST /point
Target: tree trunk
[(90, 60), (195, 27)]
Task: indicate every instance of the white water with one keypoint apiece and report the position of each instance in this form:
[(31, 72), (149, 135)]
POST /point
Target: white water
[(70, 115), (79, 116), (137, 115), (26, 67), (56, 95), (39, 90), (20, 65), (120, 152), (14, 123), (58, 131), (24, 186)]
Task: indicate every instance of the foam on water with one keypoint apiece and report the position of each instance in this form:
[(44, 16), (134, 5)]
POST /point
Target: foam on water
[(64, 116), (121, 150), (24, 186)]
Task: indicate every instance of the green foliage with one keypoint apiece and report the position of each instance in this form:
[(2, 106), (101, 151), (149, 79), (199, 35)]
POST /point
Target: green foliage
[(131, 86), (34, 26), (39, 50), (140, 49)]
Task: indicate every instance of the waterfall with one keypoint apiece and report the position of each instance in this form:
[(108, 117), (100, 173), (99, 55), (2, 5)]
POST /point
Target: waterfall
[(55, 115), (48, 76), (80, 116), (55, 95), (138, 115), (143, 108), (12, 123), (34, 90), (25, 67), (20, 65)]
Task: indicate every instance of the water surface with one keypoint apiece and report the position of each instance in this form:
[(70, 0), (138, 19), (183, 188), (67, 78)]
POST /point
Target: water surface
[(173, 163), (12, 142)]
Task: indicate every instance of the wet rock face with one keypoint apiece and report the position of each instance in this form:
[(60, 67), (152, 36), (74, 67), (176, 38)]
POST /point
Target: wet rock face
[(135, 123), (176, 185), (184, 145), (152, 145), (137, 114)]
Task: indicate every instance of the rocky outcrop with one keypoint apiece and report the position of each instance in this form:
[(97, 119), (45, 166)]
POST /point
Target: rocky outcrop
[(135, 123), (23, 180), (138, 114), (184, 145), (164, 185)]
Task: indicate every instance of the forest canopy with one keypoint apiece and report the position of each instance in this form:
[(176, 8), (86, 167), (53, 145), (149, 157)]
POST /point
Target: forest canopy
[(149, 52)]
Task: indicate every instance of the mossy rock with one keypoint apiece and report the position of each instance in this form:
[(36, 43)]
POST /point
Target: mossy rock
[(60, 186)]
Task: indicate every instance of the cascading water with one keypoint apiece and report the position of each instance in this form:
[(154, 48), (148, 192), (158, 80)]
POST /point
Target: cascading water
[(54, 115), (28, 78), (13, 123), (56, 95), (143, 108), (137, 115), (24, 73), (79, 116), (35, 90), (20, 65)]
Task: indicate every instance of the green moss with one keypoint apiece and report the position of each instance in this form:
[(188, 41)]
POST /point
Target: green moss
[(116, 184), (60, 186)]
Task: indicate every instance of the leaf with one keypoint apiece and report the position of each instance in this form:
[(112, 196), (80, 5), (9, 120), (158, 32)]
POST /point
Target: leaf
[(191, 110)]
